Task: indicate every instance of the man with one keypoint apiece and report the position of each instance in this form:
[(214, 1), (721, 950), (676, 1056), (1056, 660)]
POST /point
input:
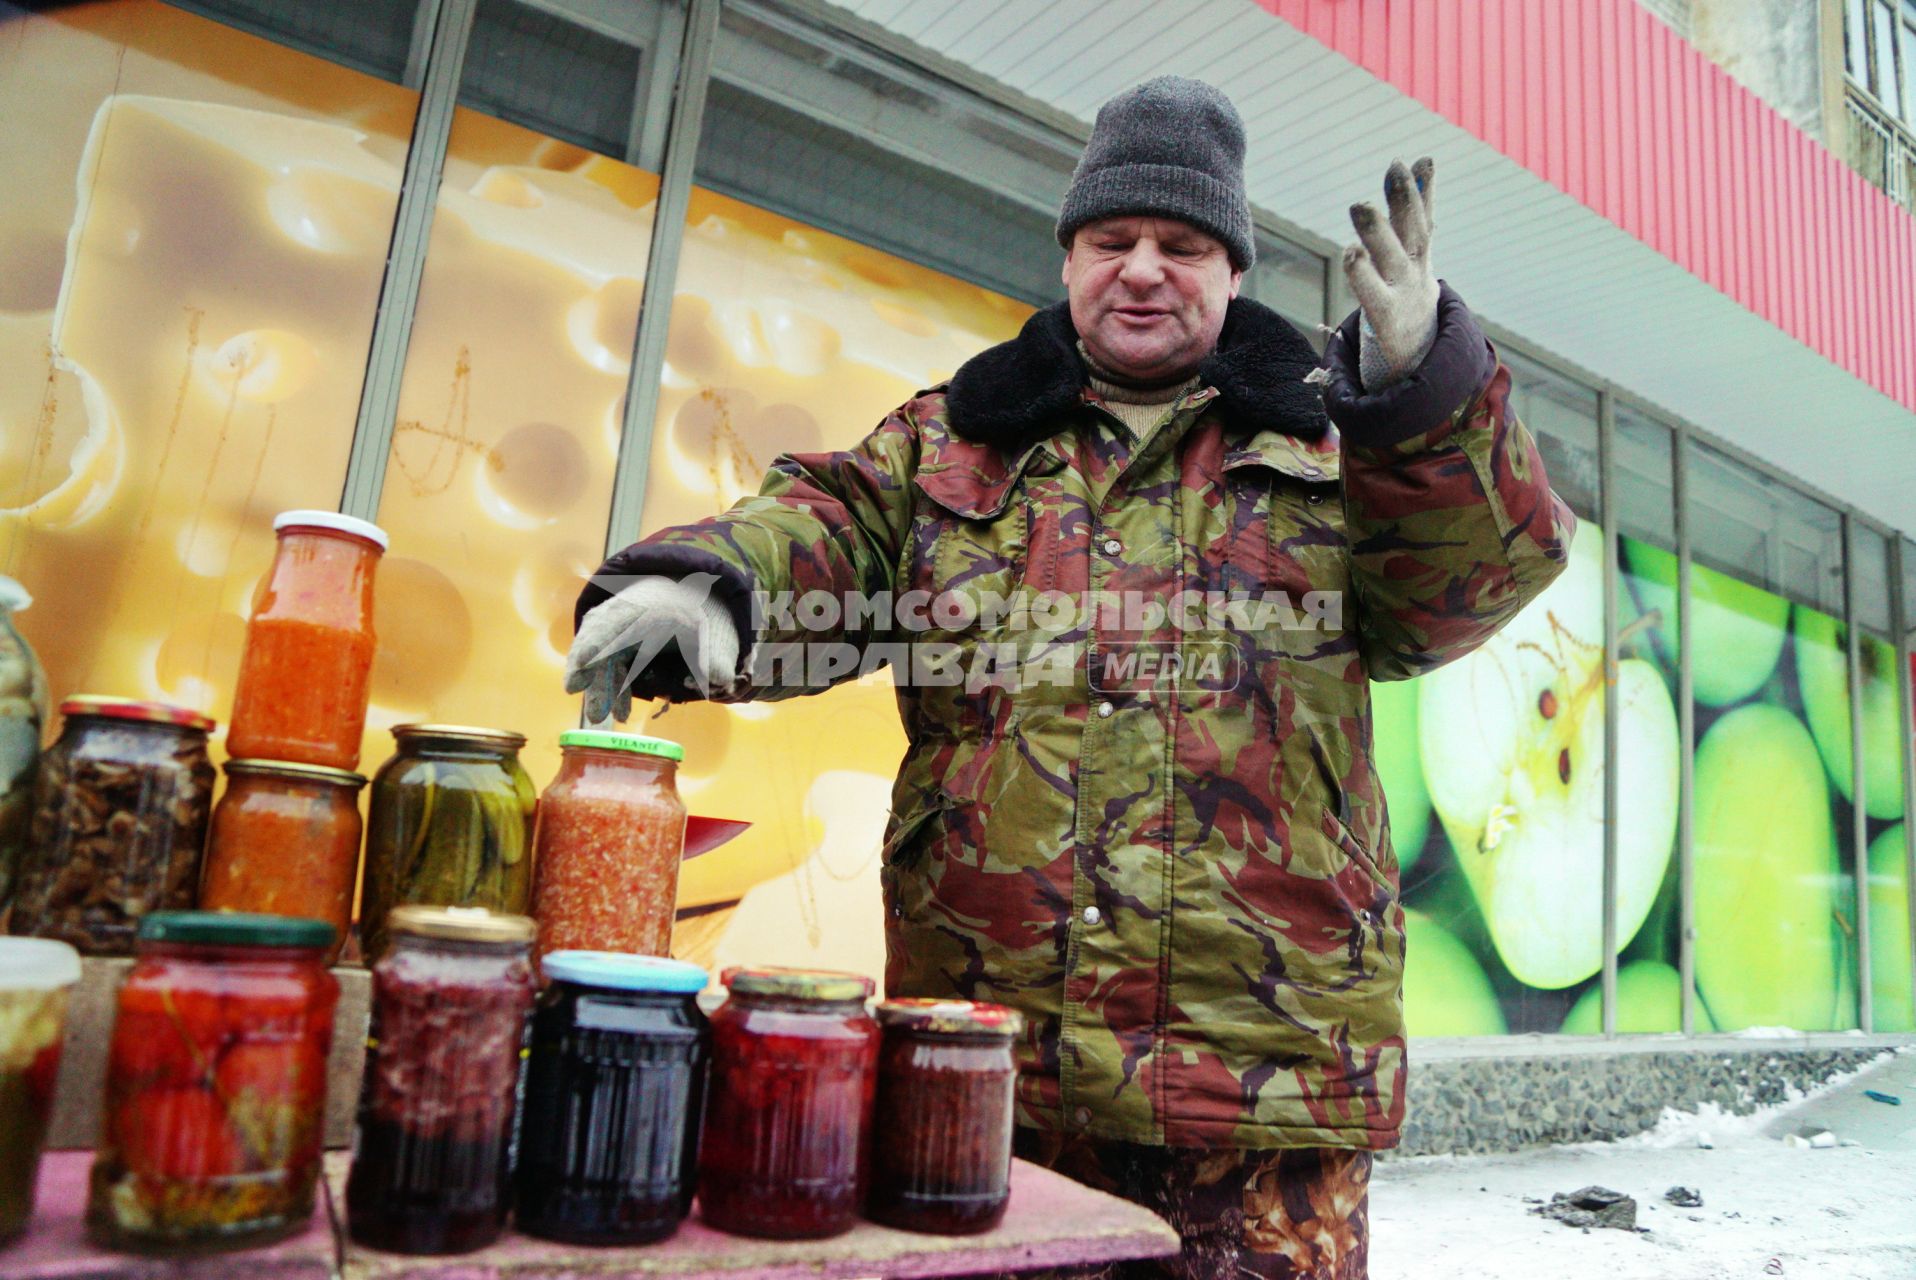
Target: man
[(1162, 835)]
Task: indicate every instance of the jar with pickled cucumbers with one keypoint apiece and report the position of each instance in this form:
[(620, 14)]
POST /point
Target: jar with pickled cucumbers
[(216, 1084), (36, 974), (23, 714), (450, 825)]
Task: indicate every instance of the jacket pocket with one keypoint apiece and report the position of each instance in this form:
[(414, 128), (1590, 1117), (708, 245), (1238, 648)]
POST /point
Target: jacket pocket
[(1356, 852)]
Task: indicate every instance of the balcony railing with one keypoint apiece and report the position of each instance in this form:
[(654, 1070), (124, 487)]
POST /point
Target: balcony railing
[(1882, 150)]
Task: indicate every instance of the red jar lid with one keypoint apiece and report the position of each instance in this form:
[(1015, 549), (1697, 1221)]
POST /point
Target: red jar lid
[(797, 984), (95, 704), (950, 1018)]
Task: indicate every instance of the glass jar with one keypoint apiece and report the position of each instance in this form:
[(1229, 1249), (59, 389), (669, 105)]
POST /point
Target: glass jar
[(216, 1084), (788, 1112), (433, 1155), (285, 842), (23, 713), (611, 833), (119, 823), (945, 1080), (450, 826), (306, 671), (615, 1087), (35, 976)]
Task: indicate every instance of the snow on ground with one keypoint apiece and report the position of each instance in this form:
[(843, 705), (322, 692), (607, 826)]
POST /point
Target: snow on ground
[(1769, 1208)]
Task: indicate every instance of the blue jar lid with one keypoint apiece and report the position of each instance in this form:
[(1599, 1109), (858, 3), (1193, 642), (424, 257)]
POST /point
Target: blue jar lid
[(621, 972)]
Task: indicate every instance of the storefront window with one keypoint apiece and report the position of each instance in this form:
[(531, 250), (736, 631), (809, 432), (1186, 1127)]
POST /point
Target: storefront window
[(189, 362), (1649, 873), (1506, 896), (1290, 281), (1888, 896), (1774, 882), (500, 474)]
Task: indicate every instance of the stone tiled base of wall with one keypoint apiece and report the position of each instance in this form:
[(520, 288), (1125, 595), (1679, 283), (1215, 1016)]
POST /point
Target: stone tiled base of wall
[(1508, 1093)]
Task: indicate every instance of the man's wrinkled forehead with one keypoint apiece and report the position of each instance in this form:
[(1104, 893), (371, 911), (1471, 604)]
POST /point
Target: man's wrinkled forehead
[(1135, 226)]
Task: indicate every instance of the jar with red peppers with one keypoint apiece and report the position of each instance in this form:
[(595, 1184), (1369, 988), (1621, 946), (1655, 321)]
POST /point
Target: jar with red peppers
[(433, 1155), (945, 1079), (216, 1083), (787, 1120), (120, 812)]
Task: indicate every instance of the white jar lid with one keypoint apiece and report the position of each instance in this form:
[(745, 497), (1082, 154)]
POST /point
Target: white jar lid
[(333, 520), (37, 964)]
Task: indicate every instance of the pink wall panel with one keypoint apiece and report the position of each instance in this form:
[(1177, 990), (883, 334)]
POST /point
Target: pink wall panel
[(1603, 101)]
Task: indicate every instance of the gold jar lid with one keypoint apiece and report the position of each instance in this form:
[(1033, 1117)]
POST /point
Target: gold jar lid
[(461, 924), (97, 704), (824, 985), (293, 769), (466, 732)]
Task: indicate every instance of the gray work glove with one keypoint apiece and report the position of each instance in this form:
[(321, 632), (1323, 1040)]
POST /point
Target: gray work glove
[(1390, 275), (618, 637)]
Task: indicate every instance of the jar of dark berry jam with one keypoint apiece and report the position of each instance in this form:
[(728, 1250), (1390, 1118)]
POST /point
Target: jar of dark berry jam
[(794, 1057), (945, 1078), (432, 1158), (615, 1087)]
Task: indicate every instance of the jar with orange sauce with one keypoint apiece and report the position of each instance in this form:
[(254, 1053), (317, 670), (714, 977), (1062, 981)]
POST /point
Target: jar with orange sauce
[(305, 676), (285, 842), (611, 832)]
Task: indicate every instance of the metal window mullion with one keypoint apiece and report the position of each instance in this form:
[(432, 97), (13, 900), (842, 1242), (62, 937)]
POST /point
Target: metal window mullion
[(661, 273), (1906, 734), (406, 259), (1859, 787), (1686, 734), (1607, 504), (652, 98), (421, 46)]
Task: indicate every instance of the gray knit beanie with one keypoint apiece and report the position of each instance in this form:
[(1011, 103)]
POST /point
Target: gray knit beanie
[(1170, 147)]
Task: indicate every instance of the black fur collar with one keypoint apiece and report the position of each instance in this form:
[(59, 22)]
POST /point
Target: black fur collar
[(1023, 390)]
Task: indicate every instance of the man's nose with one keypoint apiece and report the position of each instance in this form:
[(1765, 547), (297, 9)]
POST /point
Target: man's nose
[(1143, 266)]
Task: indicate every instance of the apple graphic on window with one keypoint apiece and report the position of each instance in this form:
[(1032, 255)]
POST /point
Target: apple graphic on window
[(1512, 744), (1822, 670), (1767, 879), (1649, 999), (1393, 710), (1889, 933), (1446, 992), (1740, 629)]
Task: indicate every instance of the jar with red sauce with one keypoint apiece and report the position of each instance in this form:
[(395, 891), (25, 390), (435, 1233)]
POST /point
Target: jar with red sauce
[(120, 810), (787, 1118), (945, 1080), (306, 671), (216, 1084), (611, 832), (285, 842), (434, 1151)]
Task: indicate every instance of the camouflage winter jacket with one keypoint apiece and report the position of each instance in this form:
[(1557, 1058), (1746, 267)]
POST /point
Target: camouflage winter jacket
[(1159, 835)]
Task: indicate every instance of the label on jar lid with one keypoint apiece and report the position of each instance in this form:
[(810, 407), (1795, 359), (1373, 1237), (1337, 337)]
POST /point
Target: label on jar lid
[(236, 929), (333, 522), (618, 971), (461, 924), (37, 964), (950, 1017), (99, 704), (636, 743), (293, 769), (797, 984)]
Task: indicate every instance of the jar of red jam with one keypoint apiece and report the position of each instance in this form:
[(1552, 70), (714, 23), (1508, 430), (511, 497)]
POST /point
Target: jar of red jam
[(285, 842), (611, 832), (615, 1087), (216, 1084), (945, 1079), (787, 1120), (433, 1154), (306, 671), (120, 811)]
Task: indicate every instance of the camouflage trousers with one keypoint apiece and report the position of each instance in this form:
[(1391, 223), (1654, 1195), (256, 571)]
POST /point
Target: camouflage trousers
[(1297, 1214)]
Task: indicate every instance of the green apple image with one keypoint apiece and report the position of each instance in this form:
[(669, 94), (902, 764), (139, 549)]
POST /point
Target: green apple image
[(1649, 999), (1889, 933), (1822, 672), (1739, 628), (1768, 948), (1393, 710), (1512, 744), (1446, 992)]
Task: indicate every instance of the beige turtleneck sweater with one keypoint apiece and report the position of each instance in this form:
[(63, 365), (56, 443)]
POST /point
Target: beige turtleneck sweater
[(1142, 409)]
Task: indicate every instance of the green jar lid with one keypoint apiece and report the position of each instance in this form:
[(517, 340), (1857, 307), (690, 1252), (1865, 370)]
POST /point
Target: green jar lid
[(797, 984), (950, 1018), (636, 743), (236, 929)]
